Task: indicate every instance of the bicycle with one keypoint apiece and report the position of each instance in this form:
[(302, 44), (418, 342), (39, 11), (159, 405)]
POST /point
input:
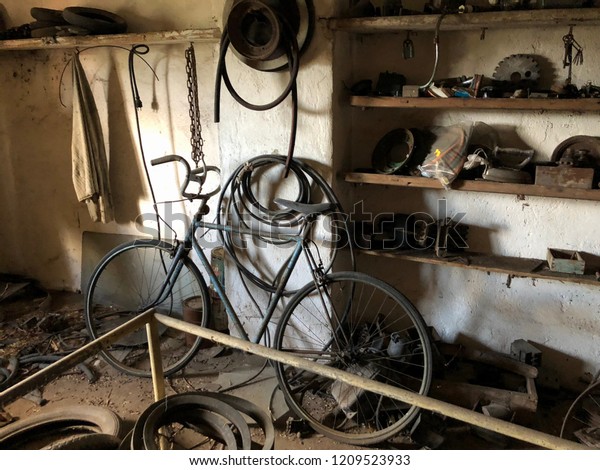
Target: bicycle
[(347, 320)]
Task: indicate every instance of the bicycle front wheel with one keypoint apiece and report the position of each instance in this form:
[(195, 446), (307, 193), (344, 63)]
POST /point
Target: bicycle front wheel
[(358, 324), (128, 281)]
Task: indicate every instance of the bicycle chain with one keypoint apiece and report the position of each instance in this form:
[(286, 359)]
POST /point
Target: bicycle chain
[(196, 139)]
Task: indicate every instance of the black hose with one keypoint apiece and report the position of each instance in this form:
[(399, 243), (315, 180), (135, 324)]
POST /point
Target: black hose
[(237, 203), (140, 50), (293, 54)]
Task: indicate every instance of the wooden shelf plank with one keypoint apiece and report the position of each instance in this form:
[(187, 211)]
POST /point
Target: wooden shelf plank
[(158, 37), (532, 104), (468, 21), (474, 186), (513, 266)]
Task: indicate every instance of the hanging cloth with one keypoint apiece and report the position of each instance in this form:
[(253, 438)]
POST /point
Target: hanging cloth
[(90, 165)]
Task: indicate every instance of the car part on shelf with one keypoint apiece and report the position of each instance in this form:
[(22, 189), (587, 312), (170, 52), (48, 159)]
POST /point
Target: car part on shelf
[(450, 238), (95, 20), (393, 151), (390, 84), (507, 175), (518, 69), (588, 144)]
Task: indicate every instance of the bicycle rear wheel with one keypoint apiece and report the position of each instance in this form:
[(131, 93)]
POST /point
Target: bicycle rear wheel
[(359, 324), (127, 282)]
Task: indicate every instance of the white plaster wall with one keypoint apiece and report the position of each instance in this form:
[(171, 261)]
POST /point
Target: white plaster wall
[(41, 218), (561, 318), (245, 134), (45, 222)]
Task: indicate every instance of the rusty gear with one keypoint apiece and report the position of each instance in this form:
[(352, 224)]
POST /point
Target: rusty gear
[(517, 68)]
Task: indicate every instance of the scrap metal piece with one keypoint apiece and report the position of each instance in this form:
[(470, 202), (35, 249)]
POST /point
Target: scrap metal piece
[(517, 68), (347, 395), (525, 352)]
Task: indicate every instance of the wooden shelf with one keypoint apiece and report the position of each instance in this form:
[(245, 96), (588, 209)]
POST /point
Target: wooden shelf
[(474, 186), (69, 42), (531, 104), (513, 266), (468, 21)]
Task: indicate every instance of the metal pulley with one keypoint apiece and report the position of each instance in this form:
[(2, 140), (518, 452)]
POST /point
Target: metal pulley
[(260, 30)]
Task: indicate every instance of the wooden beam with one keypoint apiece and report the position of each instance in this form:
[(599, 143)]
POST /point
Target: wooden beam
[(474, 186), (70, 42), (468, 21), (505, 104), (512, 266)]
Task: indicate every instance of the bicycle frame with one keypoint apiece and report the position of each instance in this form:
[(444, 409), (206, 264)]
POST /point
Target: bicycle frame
[(191, 241)]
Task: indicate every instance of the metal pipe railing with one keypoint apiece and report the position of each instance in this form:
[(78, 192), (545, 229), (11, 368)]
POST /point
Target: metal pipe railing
[(452, 411), (150, 319)]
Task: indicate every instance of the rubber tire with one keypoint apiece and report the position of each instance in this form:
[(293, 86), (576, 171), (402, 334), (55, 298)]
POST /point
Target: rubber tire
[(96, 20), (161, 412), (96, 441), (48, 32), (48, 14), (45, 24), (17, 434), (417, 323), (193, 269)]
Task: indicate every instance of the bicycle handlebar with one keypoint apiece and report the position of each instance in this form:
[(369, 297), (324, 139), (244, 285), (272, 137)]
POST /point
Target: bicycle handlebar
[(197, 175)]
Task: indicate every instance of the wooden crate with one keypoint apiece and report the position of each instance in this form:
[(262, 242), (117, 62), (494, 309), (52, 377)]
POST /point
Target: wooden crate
[(565, 261)]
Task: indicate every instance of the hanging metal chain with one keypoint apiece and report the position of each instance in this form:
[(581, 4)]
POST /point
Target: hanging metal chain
[(195, 125)]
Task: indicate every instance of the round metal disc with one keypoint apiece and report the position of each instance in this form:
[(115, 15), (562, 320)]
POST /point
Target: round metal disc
[(517, 68), (305, 32)]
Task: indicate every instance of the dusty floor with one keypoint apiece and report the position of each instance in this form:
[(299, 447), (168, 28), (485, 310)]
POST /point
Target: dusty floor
[(213, 369)]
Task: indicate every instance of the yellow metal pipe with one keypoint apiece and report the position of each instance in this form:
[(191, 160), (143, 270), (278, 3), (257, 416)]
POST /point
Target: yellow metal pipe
[(453, 411), (156, 366), (68, 362)]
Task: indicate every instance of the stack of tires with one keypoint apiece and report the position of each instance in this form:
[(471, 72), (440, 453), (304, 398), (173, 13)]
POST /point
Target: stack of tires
[(74, 21)]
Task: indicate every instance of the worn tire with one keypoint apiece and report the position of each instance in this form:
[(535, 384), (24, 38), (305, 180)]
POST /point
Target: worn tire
[(23, 434), (96, 441), (45, 24), (47, 32), (47, 14), (96, 20)]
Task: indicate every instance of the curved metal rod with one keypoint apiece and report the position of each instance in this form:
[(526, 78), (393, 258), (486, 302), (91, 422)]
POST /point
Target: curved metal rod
[(436, 41)]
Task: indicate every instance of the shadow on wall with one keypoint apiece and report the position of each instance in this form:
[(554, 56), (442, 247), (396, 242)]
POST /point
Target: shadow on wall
[(128, 187)]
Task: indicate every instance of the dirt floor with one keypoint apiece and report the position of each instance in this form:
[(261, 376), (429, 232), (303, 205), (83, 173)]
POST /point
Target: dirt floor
[(30, 321)]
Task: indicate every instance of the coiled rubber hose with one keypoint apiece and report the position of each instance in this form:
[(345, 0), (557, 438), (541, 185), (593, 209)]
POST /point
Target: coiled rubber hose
[(238, 204)]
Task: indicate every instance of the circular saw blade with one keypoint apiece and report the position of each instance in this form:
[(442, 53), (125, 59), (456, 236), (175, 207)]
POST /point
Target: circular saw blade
[(517, 68)]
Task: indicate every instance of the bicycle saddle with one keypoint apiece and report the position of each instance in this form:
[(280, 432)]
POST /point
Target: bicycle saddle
[(306, 209)]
